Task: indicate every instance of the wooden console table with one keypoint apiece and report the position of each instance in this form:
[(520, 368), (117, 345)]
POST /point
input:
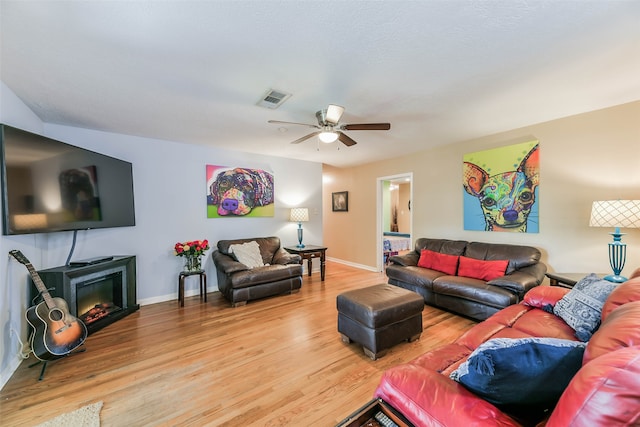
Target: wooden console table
[(309, 252)]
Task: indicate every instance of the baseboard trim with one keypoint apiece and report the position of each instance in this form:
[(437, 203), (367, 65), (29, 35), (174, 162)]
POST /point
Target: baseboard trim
[(353, 264), (195, 291), (174, 296), (6, 374)]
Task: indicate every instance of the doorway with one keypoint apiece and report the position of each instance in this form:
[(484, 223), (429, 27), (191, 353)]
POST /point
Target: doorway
[(394, 217)]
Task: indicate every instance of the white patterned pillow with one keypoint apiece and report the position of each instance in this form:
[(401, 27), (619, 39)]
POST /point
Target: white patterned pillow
[(247, 253), (581, 308)]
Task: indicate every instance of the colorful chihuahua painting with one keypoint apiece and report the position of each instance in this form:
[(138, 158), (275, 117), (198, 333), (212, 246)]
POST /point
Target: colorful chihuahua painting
[(507, 198)]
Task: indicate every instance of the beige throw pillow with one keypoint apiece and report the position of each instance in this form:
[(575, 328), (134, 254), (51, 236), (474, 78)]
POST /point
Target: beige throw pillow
[(247, 253)]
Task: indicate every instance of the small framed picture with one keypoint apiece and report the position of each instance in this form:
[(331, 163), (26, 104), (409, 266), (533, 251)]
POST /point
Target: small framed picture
[(340, 201)]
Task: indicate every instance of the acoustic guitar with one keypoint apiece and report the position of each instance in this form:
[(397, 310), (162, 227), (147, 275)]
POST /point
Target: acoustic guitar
[(56, 332)]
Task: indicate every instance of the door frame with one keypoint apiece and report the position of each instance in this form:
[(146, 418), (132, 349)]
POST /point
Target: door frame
[(380, 213)]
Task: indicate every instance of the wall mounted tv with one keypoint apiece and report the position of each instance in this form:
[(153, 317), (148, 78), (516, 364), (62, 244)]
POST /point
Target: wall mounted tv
[(48, 185)]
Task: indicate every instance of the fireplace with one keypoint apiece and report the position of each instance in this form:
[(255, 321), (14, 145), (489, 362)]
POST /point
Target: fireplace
[(98, 294)]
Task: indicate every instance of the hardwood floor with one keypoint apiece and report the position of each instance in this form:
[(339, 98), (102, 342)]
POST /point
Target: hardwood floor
[(273, 362)]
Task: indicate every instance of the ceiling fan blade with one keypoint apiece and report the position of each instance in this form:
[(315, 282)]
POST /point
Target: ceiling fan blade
[(293, 123), (334, 112), (346, 140), (304, 138), (367, 126)]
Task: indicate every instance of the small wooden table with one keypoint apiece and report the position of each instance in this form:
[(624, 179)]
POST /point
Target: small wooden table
[(566, 280), (309, 252), (203, 284)]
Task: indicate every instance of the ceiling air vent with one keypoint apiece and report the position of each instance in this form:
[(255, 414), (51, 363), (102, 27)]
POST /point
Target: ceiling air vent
[(273, 99)]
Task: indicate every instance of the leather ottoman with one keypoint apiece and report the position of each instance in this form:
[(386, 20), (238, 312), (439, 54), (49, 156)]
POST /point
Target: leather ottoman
[(379, 317)]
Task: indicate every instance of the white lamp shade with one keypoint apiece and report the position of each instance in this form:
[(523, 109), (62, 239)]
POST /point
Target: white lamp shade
[(615, 213), (334, 112), (299, 215)]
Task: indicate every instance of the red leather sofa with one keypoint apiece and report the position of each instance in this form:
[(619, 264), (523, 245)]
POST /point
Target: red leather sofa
[(604, 392)]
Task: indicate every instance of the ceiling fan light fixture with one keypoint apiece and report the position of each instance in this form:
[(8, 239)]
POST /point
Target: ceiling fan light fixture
[(329, 129), (328, 136)]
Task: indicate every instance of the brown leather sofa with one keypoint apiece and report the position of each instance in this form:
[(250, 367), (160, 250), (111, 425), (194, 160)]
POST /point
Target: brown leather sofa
[(475, 298), (280, 274)]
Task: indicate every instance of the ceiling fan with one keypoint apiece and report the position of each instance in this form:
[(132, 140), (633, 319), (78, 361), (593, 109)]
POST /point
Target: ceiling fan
[(330, 128)]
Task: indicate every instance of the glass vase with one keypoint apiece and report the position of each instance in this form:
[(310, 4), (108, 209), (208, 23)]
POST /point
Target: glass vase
[(192, 263)]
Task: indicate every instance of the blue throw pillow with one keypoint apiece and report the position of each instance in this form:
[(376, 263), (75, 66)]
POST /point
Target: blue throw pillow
[(581, 308), (520, 373)]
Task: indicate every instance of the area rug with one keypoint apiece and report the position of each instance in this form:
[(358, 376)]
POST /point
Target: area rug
[(87, 416)]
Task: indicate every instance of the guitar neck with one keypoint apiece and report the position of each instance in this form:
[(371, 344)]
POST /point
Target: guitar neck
[(40, 286)]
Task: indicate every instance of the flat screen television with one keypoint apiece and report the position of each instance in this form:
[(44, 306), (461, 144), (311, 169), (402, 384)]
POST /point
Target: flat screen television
[(48, 185)]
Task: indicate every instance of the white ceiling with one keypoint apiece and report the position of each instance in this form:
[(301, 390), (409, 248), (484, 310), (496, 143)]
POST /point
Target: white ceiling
[(438, 71)]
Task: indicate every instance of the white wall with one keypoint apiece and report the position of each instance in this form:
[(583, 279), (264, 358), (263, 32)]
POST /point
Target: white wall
[(170, 198), (583, 158), (170, 202), (13, 279)]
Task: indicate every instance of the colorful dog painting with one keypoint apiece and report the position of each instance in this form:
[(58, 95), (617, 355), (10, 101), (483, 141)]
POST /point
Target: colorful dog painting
[(238, 191), (506, 198)]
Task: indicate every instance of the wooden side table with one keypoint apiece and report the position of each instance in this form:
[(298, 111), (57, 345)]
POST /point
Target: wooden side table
[(203, 284), (566, 280), (309, 252)]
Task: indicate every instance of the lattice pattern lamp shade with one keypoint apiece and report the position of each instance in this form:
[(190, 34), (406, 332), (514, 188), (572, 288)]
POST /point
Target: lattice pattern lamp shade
[(30, 221), (299, 215), (617, 214)]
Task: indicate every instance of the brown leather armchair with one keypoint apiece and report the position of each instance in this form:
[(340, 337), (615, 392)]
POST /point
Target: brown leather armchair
[(280, 274)]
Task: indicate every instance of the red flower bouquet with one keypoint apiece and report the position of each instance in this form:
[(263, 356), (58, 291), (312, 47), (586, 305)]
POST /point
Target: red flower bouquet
[(192, 251), (194, 248)]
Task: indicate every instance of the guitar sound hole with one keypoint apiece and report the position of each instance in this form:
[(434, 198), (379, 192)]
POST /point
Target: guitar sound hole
[(56, 315)]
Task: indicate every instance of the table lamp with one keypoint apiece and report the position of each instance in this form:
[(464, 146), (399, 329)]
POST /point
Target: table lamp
[(617, 214), (299, 215)]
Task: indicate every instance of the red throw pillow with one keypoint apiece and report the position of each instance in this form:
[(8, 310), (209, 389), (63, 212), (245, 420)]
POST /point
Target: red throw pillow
[(481, 269), (448, 264)]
